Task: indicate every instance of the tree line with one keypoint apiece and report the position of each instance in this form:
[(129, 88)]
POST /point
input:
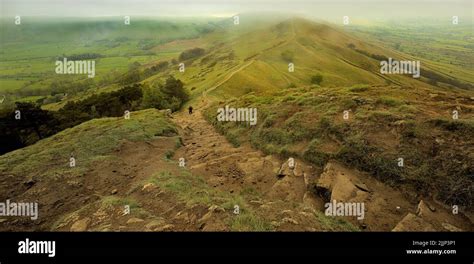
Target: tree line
[(28, 123)]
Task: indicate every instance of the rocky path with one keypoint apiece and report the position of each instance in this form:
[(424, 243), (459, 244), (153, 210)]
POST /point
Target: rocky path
[(235, 169), (240, 169), (281, 197)]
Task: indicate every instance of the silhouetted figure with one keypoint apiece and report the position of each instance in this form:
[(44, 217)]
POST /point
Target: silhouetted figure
[(190, 109)]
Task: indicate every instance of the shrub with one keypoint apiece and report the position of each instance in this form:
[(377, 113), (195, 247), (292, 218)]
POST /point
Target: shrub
[(316, 79), (191, 53), (287, 55), (171, 95)]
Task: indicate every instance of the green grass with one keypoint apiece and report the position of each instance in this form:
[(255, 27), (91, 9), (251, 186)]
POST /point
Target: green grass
[(386, 122), (119, 201), (249, 222), (334, 223), (443, 47), (359, 88), (28, 58), (91, 141), (193, 190), (389, 101)]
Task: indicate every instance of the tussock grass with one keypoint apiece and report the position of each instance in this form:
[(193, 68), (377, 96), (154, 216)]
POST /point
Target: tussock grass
[(334, 223), (193, 189)]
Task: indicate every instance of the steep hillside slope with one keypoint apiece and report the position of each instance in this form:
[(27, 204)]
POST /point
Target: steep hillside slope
[(346, 125)]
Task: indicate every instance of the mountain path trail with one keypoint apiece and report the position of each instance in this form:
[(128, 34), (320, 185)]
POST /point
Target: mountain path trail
[(239, 169), (236, 169)]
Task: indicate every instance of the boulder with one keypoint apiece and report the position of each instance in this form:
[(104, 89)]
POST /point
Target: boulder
[(284, 170), (334, 184), (154, 224), (287, 169), (422, 209), (80, 225), (412, 222)]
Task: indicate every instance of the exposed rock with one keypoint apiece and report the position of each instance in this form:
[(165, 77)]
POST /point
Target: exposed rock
[(309, 200), (104, 228), (287, 212), (148, 187), (205, 217), (287, 188), (451, 228), (182, 216), (334, 184), (412, 222), (285, 170), (422, 209), (298, 170), (114, 191), (80, 225), (168, 227), (290, 220), (362, 187), (154, 224), (306, 179), (432, 208), (134, 220), (256, 202), (325, 182), (215, 208)]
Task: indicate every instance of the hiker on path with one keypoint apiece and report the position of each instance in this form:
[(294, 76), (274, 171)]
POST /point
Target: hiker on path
[(190, 109)]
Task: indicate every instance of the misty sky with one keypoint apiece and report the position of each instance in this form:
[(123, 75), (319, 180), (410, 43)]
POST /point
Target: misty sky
[(324, 9)]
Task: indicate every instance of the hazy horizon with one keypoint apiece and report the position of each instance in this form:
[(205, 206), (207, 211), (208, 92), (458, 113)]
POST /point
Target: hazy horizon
[(322, 9)]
